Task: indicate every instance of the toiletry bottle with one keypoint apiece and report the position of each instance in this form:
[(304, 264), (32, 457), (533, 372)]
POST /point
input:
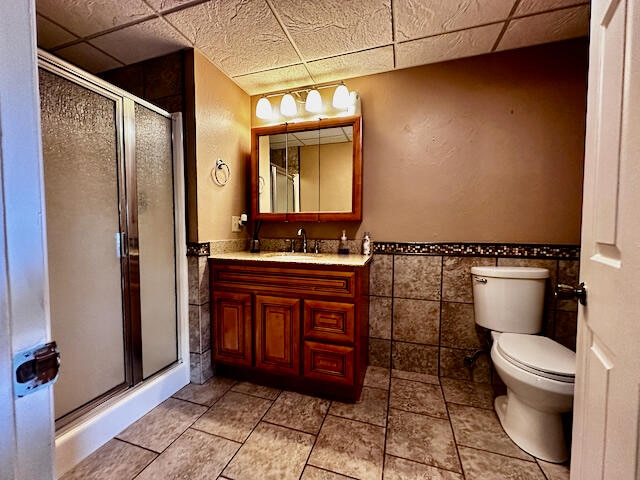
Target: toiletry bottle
[(366, 244), (343, 248)]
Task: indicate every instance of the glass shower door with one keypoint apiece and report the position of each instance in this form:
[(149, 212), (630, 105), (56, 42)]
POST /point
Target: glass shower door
[(82, 170)]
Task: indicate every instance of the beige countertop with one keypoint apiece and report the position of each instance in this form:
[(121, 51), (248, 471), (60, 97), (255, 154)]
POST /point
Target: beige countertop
[(352, 260)]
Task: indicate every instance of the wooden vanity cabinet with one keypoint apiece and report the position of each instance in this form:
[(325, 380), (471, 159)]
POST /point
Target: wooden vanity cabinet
[(305, 326)]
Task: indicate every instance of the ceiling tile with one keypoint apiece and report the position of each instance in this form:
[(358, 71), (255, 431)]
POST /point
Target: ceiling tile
[(238, 36), (88, 58), (149, 39), (527, 7), (465, 43), (352, 65), (86, 17), (546, 27), (274, 80), (51, 35), (333, 27), (163, 5), (421, 18)]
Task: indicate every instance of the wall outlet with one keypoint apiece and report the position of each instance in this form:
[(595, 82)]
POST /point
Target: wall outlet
[(235, 223)]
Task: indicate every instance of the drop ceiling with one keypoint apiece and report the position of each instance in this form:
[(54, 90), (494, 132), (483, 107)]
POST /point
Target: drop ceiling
[(270, 45)]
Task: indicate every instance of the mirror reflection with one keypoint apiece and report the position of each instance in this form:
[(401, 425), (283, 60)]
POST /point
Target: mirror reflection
[(306, 171)]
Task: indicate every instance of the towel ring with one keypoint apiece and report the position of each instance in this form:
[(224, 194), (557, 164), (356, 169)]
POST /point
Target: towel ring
[(220, 165)]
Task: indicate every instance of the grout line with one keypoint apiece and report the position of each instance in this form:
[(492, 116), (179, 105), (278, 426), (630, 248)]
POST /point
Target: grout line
[(502, 454), (437, 467), (453, 433), (315, 441)]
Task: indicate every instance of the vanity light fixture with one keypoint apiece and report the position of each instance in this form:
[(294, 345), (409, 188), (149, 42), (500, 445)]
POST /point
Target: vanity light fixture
[(309, 96), (263, 109), (288, 106), (341, 99), (313, 103)]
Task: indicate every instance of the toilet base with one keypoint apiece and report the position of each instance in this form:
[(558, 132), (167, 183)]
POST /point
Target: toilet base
[(536, 432)]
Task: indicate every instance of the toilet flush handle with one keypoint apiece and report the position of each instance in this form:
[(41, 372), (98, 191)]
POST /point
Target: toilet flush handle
[(567, 292), (480, 279)]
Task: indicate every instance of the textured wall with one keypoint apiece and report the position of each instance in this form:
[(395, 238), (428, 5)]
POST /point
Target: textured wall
[(223, 124), (484, 149)]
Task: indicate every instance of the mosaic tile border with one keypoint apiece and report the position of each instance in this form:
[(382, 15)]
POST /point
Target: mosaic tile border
[(517, 250), (195, 249)]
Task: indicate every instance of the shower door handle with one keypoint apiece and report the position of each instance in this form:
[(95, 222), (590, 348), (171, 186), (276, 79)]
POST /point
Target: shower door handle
[(121, 244)]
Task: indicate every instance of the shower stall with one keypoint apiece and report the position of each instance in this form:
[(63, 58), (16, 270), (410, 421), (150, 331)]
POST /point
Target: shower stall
[(115, 239)]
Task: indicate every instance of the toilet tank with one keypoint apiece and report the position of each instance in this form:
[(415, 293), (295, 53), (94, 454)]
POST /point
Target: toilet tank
[(509, 299)]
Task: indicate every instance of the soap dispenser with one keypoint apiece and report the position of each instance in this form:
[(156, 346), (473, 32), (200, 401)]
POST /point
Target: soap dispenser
[(343, 248)]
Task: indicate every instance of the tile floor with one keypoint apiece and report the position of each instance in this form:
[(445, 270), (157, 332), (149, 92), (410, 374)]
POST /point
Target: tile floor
[(406, 426)]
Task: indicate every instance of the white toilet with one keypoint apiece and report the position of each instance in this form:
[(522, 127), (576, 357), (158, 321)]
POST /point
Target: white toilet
[(538, 372)]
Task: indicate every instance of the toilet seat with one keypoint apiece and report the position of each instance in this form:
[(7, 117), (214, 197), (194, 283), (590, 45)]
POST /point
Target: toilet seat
[(539, 355)]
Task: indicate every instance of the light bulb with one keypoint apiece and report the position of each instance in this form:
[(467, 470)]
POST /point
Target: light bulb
[(341, 97), (288, 106), (314, 102), (263, 109)]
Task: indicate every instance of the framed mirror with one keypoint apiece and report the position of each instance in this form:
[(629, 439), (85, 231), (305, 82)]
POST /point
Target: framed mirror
[(307, 171)]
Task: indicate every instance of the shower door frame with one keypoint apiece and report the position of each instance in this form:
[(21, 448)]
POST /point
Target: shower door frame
[(128, 223)]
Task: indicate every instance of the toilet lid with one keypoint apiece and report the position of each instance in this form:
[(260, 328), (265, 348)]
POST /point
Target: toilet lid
[(540, 355)]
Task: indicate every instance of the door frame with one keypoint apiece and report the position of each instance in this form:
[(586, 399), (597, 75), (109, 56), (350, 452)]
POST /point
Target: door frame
[(26, 443)]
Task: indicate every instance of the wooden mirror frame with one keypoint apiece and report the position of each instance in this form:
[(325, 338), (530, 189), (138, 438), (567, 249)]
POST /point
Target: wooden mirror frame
[(356, 192)]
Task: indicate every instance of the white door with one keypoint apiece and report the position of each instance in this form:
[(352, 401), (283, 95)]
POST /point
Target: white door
[(26, 424), (605, 431)]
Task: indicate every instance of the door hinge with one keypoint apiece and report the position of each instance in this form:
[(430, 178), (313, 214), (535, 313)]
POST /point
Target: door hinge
[(35, 368)]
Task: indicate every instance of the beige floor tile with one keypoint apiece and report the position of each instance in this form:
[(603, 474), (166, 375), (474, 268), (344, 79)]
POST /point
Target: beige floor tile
[(480, 428), (301, 412), (262, 391), (415, 376), (195, 455), (271, 453), (313, 473), (207, 393), (417, 397), (162, 425), (423, 439), (554, 471), (350, 448), (371, 408), (401, 469), (467, 393), (115, 460), (233, 416), (478, 465), (377, 377)]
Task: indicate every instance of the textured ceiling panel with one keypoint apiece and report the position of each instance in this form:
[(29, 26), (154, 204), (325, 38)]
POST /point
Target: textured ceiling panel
[(332, 27), (239, 36), (527, 7), (448, 46), (272, 80), (145, 40), (421, 18), (51, 35), (88, 57), (352, 65), (163, 5), (546, 27), (86, 17)]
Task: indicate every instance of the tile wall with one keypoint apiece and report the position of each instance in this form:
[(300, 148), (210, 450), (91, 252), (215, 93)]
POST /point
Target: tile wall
[(421, 305)]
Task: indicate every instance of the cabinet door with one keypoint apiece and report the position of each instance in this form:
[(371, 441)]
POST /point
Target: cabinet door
[(278, 334), (329, 321), (232, 328)]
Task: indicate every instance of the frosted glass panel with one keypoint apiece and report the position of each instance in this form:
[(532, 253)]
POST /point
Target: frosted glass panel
[(154, 169), (81, 188)]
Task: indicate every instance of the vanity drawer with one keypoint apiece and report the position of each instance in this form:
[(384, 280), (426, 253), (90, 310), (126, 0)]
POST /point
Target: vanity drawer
[(329, 321), (334, 363), (296, 281)]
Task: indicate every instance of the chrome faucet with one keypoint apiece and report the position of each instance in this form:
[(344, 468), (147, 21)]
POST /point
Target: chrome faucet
[(304, 239)]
